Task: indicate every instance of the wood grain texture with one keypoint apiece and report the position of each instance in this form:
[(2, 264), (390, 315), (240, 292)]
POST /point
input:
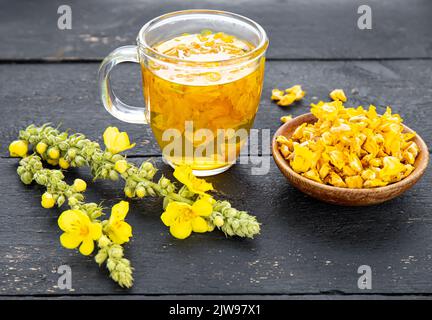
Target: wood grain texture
[(221, 298), (306, 246), (297, 29), (67, 94)]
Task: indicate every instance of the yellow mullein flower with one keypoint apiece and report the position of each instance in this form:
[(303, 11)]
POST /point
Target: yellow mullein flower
[(121, 166), (79, 230), (184, 174), (53, 153), (116, 141), (117, 229), (219, 221), (80, 185), (41, 147), (183, 218), (53, 162), (63, 163), (338, 94), (18, 148), (48, 200)]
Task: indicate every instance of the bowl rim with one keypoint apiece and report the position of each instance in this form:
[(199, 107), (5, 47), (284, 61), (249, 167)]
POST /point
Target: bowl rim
[(306, 117)]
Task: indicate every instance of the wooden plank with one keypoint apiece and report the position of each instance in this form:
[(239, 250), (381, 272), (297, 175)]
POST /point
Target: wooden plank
[(67, 94), (203, 298), (317, 29), (306, 247)]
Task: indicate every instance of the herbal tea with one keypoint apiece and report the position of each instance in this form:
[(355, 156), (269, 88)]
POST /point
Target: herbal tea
[(201, 116)]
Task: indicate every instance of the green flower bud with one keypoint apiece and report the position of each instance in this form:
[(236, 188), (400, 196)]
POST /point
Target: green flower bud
[(97, 158), (101, 256), (151, 192), (132, 184), (113, 175), (111, 265), (41, 178), (140, 191), (166, 201), (26, 178), (80, 161), (62, 186), (116, 157), (63, 146), (218, 221), (115, 276), (129, 192), (104, 242), (107, 155), (124, 261), (164, 182), (121, 268), (78, 196), (116, 252), (37, 166), (186, 193), (21, 170), (60, 200), (80, 144), (72, 201), (147, 166)]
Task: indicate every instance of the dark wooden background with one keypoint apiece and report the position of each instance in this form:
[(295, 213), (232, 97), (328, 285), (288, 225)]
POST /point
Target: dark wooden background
[(307, 248)]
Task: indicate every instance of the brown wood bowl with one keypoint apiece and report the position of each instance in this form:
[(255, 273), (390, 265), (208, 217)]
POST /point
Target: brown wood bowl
[(346, 196)]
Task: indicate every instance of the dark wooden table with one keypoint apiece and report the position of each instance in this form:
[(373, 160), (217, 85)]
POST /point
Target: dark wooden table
[(306, 248)]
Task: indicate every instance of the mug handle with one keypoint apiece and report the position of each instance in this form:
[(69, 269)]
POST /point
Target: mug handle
[(111, 102)]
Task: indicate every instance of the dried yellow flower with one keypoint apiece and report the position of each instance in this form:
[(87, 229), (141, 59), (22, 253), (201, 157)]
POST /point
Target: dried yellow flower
[(338, 94), (288, 96), (287, 100), (277, 94), (350, 147), (285, 119)]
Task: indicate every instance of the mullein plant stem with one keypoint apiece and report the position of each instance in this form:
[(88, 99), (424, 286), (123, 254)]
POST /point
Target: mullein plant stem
[(59, 192), (189, 208), (77, 151)]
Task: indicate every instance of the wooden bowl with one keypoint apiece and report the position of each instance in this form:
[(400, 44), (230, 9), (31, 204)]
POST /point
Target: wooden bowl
[(346, 196)]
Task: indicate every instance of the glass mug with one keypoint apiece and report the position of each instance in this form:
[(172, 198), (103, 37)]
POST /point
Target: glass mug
[(200, 112)]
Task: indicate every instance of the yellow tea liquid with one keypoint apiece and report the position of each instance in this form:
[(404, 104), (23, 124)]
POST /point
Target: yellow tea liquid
[(187, 105)]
